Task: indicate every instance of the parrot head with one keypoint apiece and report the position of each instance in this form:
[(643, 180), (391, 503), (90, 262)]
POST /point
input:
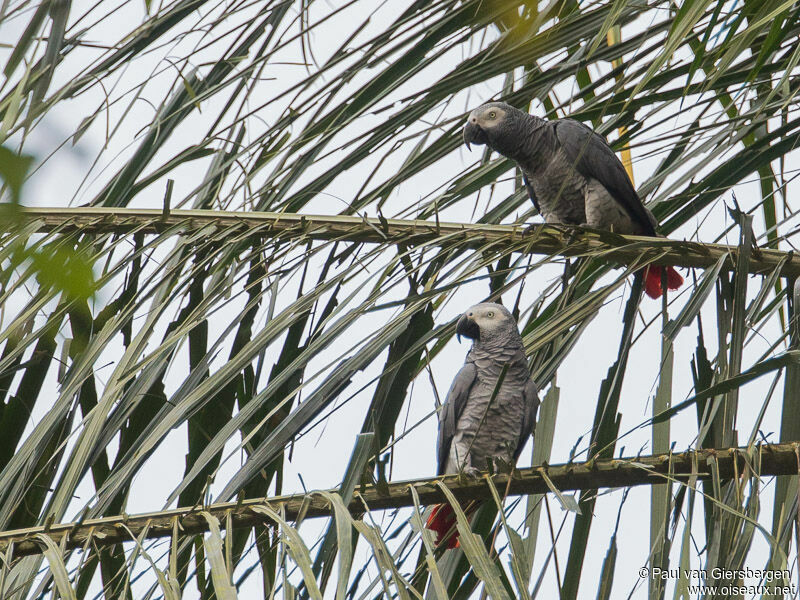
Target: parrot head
[(493, 124), (485, 322)]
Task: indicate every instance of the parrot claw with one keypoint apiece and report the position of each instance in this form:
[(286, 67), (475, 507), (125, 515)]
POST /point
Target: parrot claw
[(472, 472)]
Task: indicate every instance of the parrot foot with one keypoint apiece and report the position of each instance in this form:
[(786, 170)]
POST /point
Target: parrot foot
[(503, 466), (575, 232), (471, 472)]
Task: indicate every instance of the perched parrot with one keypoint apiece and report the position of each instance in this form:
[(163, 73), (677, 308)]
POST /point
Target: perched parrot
[(480, 423), (571, 174)]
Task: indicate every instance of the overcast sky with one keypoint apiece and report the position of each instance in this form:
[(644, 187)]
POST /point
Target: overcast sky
[(70, 177)]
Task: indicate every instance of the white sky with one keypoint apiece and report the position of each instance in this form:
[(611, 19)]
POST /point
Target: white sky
[(321, 456)]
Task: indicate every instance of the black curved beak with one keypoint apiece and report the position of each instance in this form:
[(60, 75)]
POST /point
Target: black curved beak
[(468, 328), (473, 134)]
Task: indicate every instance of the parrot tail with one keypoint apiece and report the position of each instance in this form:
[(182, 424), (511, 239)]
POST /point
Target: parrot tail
[(652, 280), (443, 522)]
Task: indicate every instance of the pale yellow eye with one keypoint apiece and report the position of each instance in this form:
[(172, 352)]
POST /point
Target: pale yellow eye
[(492, 115), (490, 314)]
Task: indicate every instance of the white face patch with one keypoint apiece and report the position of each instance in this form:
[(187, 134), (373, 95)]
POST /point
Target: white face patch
[(488, 117), (489, 316)]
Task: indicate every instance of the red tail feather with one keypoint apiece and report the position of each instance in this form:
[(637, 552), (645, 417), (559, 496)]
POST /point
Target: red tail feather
[(443, 522), (652, 280)]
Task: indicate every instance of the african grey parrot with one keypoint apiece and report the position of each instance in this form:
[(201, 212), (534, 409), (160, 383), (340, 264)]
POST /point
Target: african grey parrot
[(571, 174), (480, 422)]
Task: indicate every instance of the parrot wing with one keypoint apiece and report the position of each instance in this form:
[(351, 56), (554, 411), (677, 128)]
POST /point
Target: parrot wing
[(531, 396), (592, 157), (451, 411)]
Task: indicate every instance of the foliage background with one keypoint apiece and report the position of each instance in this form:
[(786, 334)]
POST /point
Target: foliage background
[(204, 363)]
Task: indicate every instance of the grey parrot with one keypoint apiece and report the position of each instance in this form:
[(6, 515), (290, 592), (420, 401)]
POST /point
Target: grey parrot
[(571, 174), (479, 423)]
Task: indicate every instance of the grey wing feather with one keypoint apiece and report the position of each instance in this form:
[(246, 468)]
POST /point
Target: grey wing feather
[(592, 157), (531, 396), (451, 411), (531, 193)]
